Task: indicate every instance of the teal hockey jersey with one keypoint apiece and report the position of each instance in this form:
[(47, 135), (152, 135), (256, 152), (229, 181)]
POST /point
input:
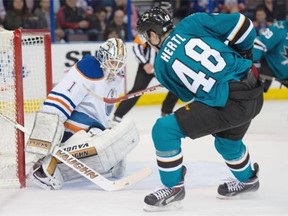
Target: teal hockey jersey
[(273, 46), (195, 61)]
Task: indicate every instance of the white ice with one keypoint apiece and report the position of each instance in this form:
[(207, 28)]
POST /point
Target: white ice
[(267, 140)]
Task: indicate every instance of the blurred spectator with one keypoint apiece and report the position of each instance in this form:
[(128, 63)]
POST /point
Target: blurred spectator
[(275, 10), (95, 4), (85, 6), (203, 6), (18, 16), (42, 12), (2, 11), (111, 33), (99, 22), (230, 6), (242, 5), (56, 5), (119, 24), (72, 20), (269, 10), (109, 5), (6, 3), (30, 5), (181, 9), (260, 22), (122, 4)]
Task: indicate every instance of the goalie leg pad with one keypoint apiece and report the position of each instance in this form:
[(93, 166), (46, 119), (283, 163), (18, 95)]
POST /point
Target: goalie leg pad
[(114, 144), (110, 147), (47, 132)]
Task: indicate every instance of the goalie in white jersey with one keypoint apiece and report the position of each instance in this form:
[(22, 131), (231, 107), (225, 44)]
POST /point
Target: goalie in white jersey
[(79, 123)]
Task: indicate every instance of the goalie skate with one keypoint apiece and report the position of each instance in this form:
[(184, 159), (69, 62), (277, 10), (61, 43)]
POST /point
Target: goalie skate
[(233, 187), (167, 198), (39, 177)]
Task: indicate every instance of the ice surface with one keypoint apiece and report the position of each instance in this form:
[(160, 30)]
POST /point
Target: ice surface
[(267, 140)]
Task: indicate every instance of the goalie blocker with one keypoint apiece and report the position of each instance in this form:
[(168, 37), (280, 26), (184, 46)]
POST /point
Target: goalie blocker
[(47, 132), (104, 152)]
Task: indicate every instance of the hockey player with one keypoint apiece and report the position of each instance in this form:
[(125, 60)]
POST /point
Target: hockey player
[(74, 118), (203, 61), (270, 54), (145, 55)]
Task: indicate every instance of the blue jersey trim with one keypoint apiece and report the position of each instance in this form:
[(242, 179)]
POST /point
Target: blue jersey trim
[(86, 120), (65, 97), (57, 107), (89, 66)]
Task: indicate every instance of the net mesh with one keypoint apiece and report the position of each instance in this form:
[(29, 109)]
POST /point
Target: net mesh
[(34, 93)]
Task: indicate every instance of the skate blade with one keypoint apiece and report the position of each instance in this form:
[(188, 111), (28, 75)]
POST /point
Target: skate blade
[(170, 207), (246, 195)]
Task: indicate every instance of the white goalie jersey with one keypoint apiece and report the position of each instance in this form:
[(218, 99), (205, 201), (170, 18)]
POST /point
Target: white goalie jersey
[(105, 146), (77, 109)]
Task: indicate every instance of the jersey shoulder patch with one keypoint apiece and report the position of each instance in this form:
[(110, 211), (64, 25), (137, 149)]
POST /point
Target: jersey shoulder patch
[(89, 66)]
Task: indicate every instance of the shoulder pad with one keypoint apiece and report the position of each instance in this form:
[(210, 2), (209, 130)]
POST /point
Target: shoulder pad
[(89, 66)]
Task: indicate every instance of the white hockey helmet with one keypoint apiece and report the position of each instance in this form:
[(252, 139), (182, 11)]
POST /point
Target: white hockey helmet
[(112, 56)]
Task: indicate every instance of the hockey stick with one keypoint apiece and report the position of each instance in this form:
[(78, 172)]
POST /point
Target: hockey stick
[(94, 176), (85, 170), (16, 125), (124, 97)]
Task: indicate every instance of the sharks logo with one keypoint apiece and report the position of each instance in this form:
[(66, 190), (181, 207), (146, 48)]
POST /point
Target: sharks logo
[(285, 56)]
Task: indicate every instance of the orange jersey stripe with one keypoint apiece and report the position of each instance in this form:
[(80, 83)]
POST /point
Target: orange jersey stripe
[(60, 101), (73, 128)]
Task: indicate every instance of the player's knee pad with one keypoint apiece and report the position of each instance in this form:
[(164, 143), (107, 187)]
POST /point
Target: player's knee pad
[(167, 134), (103, 151), (47, 132)]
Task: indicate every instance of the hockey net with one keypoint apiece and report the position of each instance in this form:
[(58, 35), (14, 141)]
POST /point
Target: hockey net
[(25, 80)]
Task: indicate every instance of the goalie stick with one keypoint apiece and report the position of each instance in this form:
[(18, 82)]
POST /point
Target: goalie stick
[(86, 171), (124, 97)]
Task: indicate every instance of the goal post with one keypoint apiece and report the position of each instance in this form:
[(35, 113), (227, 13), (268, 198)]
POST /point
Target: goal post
[(25, 81)]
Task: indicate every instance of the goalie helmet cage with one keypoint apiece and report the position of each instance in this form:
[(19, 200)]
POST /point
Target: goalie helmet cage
[(25, 81)]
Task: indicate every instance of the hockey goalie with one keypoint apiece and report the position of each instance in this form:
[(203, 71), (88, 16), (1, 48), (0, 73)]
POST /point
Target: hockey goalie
[(77, 122)]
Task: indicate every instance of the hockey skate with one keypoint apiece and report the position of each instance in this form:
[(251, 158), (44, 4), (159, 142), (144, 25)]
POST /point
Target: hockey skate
[(40, 177), (233, 187), (166, 198)]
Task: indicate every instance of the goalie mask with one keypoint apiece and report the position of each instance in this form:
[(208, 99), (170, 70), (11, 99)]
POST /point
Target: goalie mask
[(157, 20), (112, 56)]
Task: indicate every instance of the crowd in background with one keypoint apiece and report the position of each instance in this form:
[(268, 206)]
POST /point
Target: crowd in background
[(98, 20)]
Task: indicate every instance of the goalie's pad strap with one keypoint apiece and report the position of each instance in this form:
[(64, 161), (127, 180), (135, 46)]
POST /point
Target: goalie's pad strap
[(47, 132), (103, 151)]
